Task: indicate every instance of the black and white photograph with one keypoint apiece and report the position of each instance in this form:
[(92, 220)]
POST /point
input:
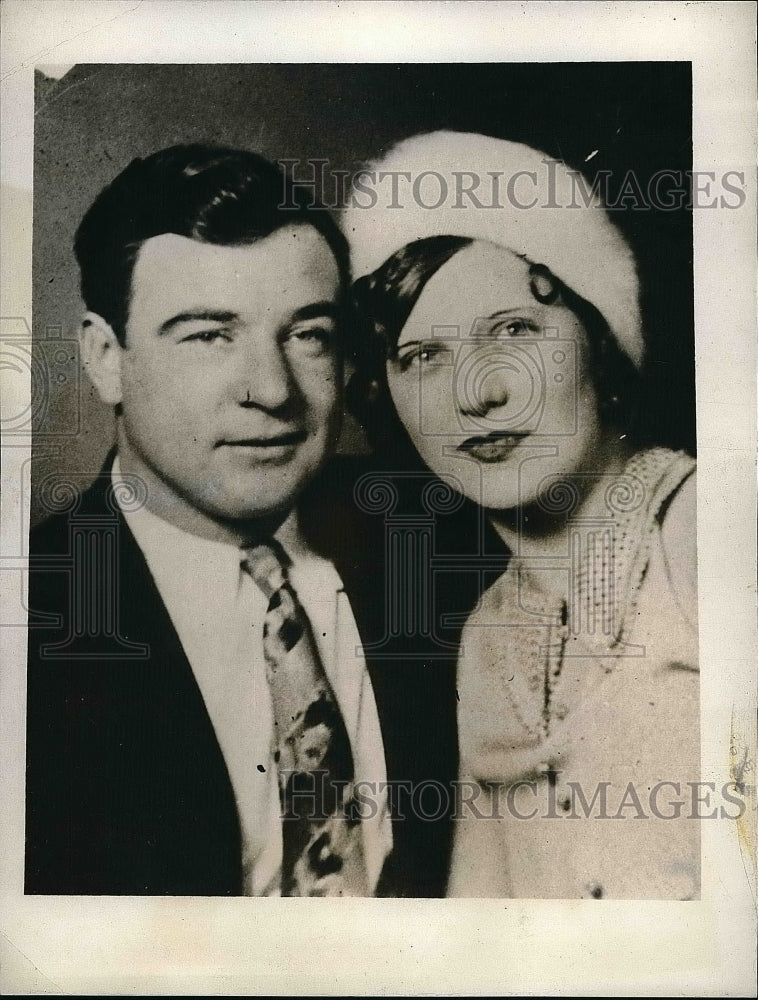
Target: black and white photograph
[(358, 487)]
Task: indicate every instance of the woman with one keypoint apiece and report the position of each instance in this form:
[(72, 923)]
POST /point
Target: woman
[(511, 345)]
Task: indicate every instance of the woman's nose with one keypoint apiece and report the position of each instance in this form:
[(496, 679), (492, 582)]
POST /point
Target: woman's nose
[(266, 379), (482, 387)]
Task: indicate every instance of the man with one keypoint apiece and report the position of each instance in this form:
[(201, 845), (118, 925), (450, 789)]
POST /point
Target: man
[(201, 719)]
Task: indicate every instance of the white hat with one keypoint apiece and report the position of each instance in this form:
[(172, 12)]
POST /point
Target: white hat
[(466, 184)]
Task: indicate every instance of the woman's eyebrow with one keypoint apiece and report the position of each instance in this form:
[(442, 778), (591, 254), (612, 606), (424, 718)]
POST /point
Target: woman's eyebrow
[(395, 351), (193, 315), (500, 313)]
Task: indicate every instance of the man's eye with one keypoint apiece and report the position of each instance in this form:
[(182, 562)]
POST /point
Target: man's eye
[(313, 339), (312, 333), (206, 336)]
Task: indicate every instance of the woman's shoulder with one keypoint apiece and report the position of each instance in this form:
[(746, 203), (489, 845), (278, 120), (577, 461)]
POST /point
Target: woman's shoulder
[(678, 535), (668, 481)]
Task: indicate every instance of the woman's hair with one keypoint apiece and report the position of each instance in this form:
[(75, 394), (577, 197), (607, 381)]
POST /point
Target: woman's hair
[(385, 299)]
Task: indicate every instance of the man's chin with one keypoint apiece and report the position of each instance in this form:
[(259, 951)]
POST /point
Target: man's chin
[(243, 509), (276, 500)]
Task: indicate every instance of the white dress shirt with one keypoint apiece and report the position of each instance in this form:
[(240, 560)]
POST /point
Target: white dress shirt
[(218, 613)]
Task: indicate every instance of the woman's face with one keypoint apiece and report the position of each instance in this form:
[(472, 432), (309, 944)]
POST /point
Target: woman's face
[(493, 386)]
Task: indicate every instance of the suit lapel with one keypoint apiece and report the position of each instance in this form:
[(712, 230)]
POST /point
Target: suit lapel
[(121, 747), (178, 736)]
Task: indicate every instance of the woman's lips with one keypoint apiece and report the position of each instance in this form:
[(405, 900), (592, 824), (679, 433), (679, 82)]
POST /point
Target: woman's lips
[(493, 447)]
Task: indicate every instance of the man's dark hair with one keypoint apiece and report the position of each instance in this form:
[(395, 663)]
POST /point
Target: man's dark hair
[(207, 193)]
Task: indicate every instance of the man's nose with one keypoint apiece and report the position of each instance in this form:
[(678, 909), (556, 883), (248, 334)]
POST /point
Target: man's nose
[(265, 379)]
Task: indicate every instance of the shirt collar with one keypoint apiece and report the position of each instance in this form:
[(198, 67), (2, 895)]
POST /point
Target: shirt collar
[(158, 536)]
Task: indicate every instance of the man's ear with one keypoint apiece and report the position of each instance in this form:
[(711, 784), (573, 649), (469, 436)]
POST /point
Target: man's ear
[(101, 354)]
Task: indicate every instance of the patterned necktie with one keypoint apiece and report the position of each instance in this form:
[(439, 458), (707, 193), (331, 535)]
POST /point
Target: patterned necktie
[(321, 830)]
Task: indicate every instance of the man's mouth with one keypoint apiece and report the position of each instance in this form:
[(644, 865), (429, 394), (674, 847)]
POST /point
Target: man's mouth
[(265, 442), (492, 447)]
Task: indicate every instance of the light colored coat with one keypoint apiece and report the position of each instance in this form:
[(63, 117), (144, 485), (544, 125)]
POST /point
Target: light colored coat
[(615, 715)]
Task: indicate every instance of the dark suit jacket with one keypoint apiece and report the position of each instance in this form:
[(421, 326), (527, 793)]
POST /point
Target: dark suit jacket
[(127, 789)]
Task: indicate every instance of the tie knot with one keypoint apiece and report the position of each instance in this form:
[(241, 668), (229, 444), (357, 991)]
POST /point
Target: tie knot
[(267, 564)]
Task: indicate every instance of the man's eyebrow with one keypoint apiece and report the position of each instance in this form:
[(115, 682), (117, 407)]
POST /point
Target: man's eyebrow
[(316, 310), (202, 315)]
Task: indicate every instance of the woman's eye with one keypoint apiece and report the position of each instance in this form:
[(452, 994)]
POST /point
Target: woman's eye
[(516, 328), (425, 356)]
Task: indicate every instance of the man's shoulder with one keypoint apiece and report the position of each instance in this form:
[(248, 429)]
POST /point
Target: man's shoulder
[(83, 546), (49, 536), (74, 499), (77, 504)]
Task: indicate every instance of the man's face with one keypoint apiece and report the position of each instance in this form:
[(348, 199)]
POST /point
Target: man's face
[(231, 374)]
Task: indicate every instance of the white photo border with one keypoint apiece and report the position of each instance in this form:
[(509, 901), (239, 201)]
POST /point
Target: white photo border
[(201, 946)]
